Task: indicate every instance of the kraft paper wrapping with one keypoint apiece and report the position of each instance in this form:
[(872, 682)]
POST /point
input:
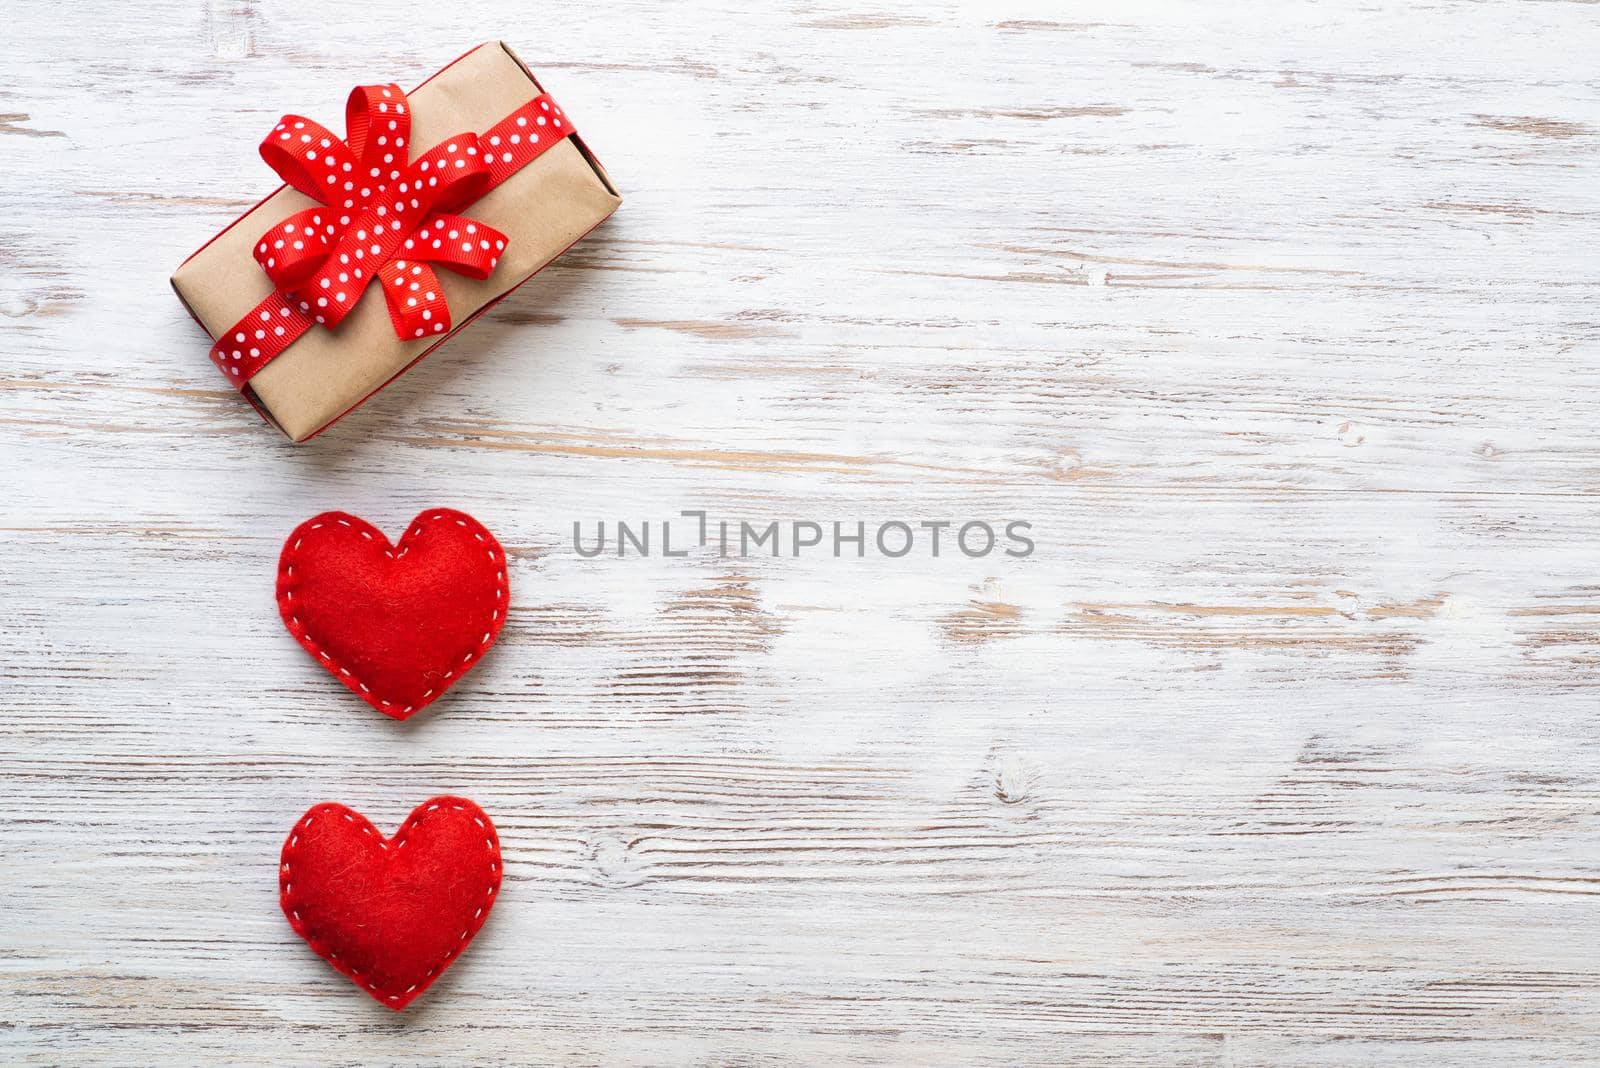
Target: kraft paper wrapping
[(543, 208)]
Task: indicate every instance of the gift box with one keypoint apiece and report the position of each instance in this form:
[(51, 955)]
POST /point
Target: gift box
[(383, 244)]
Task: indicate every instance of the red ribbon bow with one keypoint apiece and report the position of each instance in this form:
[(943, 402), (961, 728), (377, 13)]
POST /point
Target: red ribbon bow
[(380, 216)]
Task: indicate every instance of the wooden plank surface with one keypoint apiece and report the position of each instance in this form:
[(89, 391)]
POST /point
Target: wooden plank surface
[(1276, 320)]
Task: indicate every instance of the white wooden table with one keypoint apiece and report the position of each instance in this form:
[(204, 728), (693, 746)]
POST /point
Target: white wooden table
[(1279, 321)]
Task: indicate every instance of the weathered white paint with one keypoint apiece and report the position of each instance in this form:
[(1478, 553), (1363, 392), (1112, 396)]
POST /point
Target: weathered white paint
[(1277, 319)]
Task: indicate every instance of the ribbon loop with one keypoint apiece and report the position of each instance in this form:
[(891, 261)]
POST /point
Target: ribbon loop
[(415, 299), (377, 123), (452, 174), (464, 245), (309, 157), (292, 251)]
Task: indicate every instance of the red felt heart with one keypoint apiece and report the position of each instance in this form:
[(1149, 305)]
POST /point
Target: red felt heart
[(391, 914), (398, 624)]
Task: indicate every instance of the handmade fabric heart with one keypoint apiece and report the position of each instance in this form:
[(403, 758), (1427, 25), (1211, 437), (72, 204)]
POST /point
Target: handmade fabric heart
[(391, 914), (396, 624)]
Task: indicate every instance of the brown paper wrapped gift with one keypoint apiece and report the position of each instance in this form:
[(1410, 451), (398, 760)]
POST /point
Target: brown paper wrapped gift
[(543, 209)]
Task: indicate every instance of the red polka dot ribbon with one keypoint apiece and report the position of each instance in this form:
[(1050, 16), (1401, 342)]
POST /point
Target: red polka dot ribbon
[(382, 216)]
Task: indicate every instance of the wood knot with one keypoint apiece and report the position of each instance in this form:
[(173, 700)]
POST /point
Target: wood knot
[(1014, 779), (610, 861)]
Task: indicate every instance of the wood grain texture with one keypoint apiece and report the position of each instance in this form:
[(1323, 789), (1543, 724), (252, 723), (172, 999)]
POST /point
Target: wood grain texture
[(1276, 319)]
